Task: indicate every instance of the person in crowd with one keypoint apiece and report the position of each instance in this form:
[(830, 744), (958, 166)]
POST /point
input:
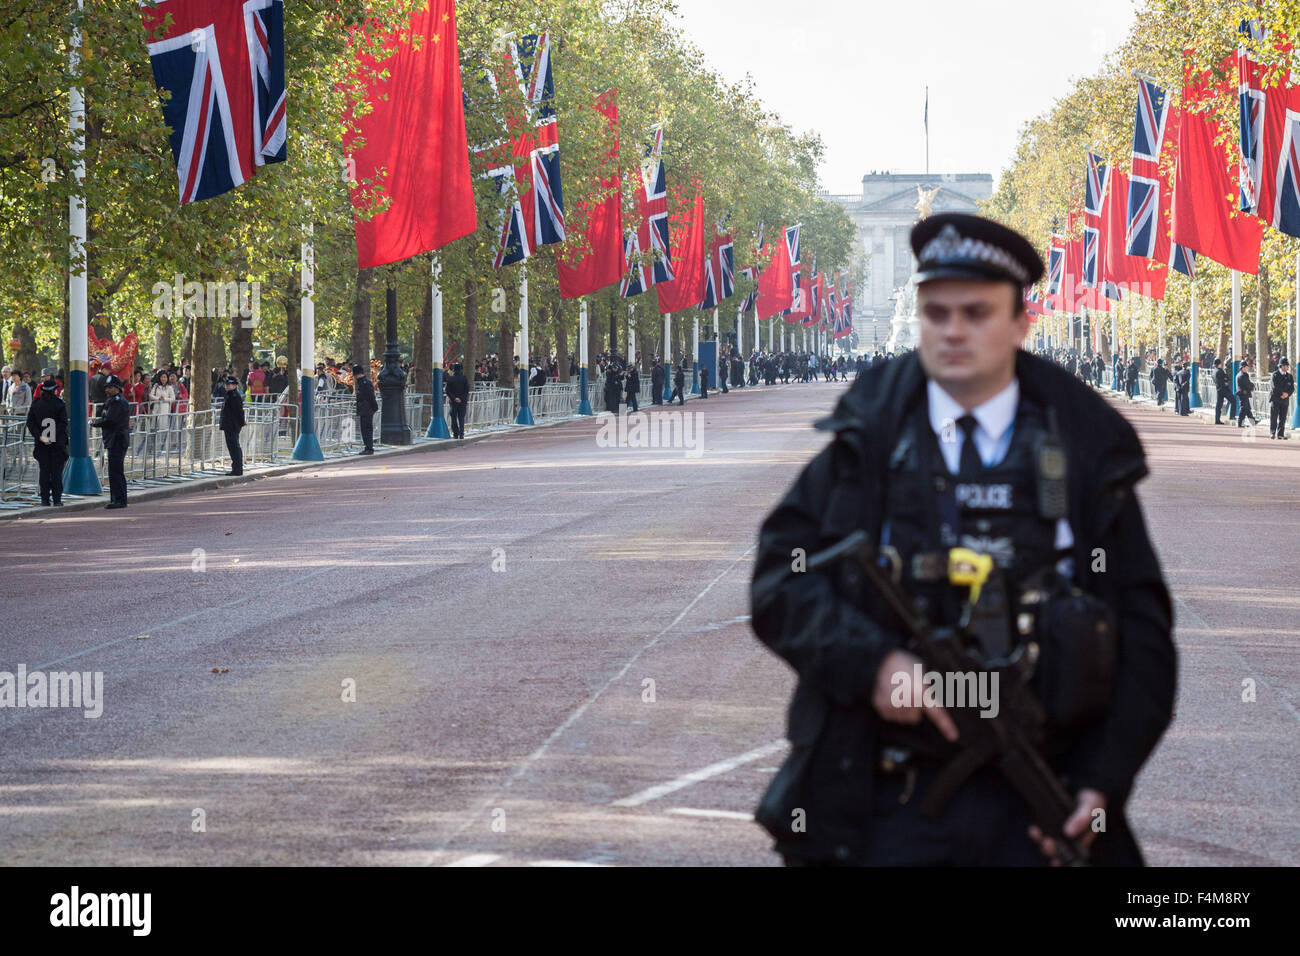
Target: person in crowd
[(18, 399), (679, 385), (633, 389), (1281, 388), (1223, 392), (1245, 388), (457, 389)]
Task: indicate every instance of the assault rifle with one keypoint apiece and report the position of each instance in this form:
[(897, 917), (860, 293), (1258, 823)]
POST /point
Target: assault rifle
[(1005, 740)]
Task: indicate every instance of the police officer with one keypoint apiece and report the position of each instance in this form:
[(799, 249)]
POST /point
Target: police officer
[(981, 422), (47, 420), (1223, 394), (679, 386), (115, 420), (232, 420), (1160, 382), (367, 405), (458, 399), (633, 388), (1282, 387), (1183, 388), (657, 383), (1245, 388)]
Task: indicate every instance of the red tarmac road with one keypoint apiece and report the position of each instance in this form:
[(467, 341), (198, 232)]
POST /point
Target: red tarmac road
[(551, 656)]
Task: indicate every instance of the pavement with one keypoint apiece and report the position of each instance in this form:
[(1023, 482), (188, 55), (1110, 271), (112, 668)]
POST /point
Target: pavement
[(535, 650)]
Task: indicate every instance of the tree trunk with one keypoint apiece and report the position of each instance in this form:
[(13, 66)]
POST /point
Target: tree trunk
[(241, 346), (25, 359), (1225, 329), (422, 353), (561, 341), (474, 347), (1264, 301), (187, 343), (360, 341), (203, 361), (379, 335), (162, 343), (506, 377)]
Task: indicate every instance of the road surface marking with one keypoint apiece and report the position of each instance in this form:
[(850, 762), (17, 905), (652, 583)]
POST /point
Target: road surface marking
[(717, 814), (695, 776), (477, 859), (582, 708)]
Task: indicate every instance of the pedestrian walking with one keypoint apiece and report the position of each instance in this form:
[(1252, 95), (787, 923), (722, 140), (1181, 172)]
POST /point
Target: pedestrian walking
[(633, 389), (1223, 393), (1245, 388), (657, 383), (232, 421), (679, 384), (114, 420), (1160, 382)]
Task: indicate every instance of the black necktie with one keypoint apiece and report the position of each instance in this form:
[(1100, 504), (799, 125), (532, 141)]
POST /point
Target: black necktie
[(970, 465)]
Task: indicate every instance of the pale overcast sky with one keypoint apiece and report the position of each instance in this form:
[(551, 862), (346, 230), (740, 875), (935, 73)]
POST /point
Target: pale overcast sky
[(856, 72)]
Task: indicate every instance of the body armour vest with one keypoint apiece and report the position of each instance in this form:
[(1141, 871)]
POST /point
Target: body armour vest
[(928, 511)]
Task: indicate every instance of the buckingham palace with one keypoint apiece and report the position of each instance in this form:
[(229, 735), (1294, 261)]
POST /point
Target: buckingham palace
[(884, 215)]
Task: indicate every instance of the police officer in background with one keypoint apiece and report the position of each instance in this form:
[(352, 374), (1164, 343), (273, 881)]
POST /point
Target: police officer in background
[(47, 420), (1183, 388), (232, 420), (457, 389), (1222, 392), (367, 405), (1282, 387), (115, 420), (1245, 388), (1028, 466)]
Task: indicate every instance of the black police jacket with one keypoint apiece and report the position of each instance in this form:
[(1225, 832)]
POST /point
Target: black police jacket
[(837, 650), (115, 419), (232, 412), (1244, 384), (43, 409), (365, 393), (1281, 387), (1220, 380), (458, 387)]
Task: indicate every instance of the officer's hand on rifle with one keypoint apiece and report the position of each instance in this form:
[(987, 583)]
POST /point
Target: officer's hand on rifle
[(1077, 827), (898, 669)]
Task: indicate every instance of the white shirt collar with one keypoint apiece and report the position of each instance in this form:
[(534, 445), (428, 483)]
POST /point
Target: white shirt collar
[(994, 416)]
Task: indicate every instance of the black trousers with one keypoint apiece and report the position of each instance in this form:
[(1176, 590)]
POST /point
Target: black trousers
[(1277, 417), (51, 459), (458, 419), (117, 474), (236, 453), (367, 425), (1161, 396), (677, 394), (632, 404), (1243, 409), (1221, 399)]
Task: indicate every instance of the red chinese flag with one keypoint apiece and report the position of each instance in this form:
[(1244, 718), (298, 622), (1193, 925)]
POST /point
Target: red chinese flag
[(1205, 214), (415, 145), (593, 261), (775, 283), (686, 291), (1134, 273)]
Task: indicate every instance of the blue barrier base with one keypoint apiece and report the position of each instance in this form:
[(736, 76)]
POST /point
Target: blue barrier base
[(525, 416), (307, 448), (438, 428), (584, 404), (79, 478), (1196, 388)]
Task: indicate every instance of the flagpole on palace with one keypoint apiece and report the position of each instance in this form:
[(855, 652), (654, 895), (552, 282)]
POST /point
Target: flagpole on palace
[(79, 477), (437, 424), (584, 402), (307, 448)]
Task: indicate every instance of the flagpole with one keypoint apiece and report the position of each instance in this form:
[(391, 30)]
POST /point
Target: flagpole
[(307, 448), (927, 130), (437, 424), (79, 477), (525, 416), (1194, 399), (584, 402), (1236, 339), (1295, 359), (631, 333), (695, 359), (1114, 350), (668, 357)]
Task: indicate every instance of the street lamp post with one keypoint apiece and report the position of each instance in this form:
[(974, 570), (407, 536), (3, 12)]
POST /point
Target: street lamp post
[(392, 379)]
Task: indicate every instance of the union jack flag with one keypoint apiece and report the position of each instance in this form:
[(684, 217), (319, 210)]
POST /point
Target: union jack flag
[(727, 268), (1055, 264), (794, 247), (1094, 192), (222, 64), (648, 251), (1250, 103), (1184, 260), (751, 273), (1145, 190), (719, 280), (1286, 213), (525, 162)]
